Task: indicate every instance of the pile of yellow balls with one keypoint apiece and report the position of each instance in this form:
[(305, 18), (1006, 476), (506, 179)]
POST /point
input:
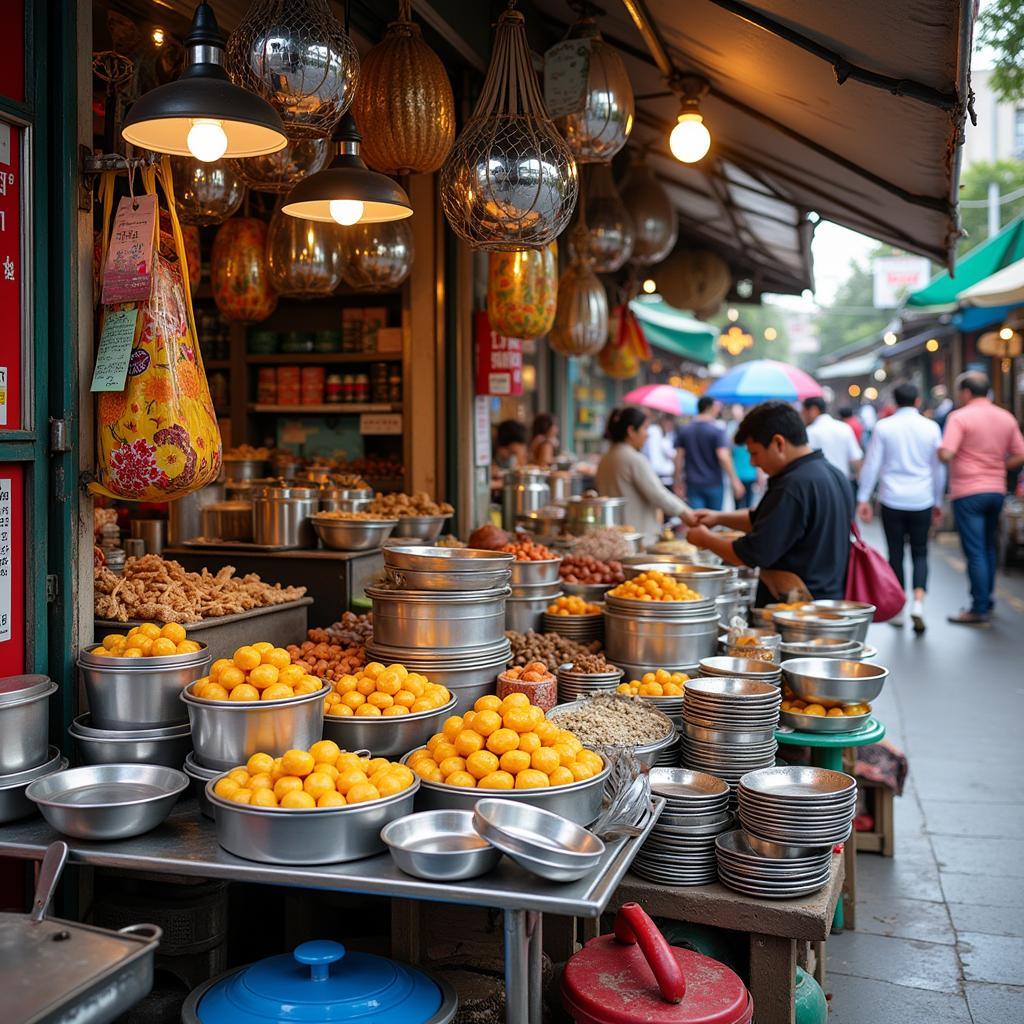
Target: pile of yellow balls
[(255, 672), (323, 776), (378, 691), (801, 707), (661, 683), (148, 640), (655, 586), (573, 605)]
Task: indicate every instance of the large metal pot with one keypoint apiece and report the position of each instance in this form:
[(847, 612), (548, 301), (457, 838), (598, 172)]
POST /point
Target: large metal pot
[(281, 515), (244, 469), (24, 721), (344, 499), (592, 512), (526, 613), (798, 626), (386, 736), (525, 490), (707, 580), (228, 520), (638, 641), (565, 485), (437, 619), (863, 612), (168, 747)]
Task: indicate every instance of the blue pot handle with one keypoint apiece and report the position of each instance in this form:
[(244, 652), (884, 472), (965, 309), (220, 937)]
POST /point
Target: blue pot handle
[(318, 955)]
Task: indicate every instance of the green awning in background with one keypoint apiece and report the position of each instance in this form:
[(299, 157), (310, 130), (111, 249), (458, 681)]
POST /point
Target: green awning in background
[(982, 261), (674, 331)]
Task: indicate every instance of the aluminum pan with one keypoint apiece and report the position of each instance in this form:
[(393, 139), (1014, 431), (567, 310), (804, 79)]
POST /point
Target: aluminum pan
[(440, 559)]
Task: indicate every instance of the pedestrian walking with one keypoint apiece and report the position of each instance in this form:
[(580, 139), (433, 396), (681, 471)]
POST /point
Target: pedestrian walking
[(849, 417), (660, 447), (703, 454), (903, 460), (981, 443), (833, 438)]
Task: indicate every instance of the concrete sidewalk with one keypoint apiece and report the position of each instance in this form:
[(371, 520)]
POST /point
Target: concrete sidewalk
[(940, 927)]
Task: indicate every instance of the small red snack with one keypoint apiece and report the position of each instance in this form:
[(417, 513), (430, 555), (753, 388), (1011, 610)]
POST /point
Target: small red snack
[(539, 685)]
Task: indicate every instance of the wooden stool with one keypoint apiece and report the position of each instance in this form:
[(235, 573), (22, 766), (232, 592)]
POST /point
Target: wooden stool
[(882, 837)]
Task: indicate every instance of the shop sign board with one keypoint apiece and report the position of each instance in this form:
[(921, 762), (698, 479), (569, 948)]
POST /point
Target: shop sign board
[(12, 569), (896, 277), (11, 285), (481, 431), (499, 361)]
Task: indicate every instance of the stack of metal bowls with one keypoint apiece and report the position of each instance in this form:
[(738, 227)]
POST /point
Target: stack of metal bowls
[(826, 647), (572, 685), (13, 802), (165, 746), (344, 499), (584, 629), (861, 611), (681, 847), (659, 633), (770, 870), (588, 591), (799, 626), (352, 534), (534, 586), (443, 614), (729, 726), (741, 668), (25, 753)]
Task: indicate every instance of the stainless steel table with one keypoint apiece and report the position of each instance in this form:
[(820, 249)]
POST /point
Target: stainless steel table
[(186, 844)]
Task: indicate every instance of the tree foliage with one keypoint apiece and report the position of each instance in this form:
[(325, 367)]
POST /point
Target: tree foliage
[(755, 319), (851, 316), (1001, 29), (974, 182)]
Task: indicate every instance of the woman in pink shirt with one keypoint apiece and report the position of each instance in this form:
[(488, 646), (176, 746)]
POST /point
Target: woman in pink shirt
[(981, 442)]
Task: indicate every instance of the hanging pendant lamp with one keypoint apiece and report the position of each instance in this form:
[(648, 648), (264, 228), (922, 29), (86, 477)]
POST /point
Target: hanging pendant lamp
[(510, 181), (348, 192), (655, 221), (376, 257), (581, 320), (304, 257), (280, 171), (608, 221), (203, 114), (206, 193)]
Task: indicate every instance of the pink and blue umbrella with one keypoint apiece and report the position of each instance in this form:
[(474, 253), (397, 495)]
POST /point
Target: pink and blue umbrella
[(664, 398), (761, 380)]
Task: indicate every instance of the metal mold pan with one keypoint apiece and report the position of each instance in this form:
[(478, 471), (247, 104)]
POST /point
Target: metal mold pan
[(441, 846)]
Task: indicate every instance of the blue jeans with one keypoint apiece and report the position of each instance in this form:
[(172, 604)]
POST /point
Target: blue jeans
[(705, 497), (977, 520)]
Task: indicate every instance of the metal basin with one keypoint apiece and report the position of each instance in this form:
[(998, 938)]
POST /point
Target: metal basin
[(427, 528), (24, 721), (413, 579), (740, 668), (658, 642), (441, 846), (438, 621), (800, 626), (646, 753), (167, 747), (863, 612), (109, 801), (139, 693), (447, 560), (709, 581), (13, 802), (352, 534), (831, 682), (527, 573), (524, 614), (386, 737)]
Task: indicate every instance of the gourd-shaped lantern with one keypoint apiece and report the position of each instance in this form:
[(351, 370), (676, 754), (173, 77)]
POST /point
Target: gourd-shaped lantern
[(581, 320), (695, 279), (278, 172), (206, 193), (376, 257), (608, 221), (190, 236), (510, 181), (655, 222), (238, 271), (522, 291), (303, 256), (295, 55), (404, 108), (600, 129)]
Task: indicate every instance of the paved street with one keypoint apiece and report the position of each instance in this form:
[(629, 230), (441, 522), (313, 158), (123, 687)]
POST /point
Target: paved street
[(940, 927)]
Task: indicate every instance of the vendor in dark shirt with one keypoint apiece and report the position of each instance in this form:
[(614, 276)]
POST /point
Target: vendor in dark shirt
[(802, 525)]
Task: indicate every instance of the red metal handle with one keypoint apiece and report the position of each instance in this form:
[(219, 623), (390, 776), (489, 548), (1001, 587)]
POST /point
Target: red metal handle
[(632, 925)]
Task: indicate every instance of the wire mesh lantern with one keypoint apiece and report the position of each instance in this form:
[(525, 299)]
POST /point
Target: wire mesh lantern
[(404, 106), (581, 320), (609, 224), (655, 222), (600, 129), (510, 181), (695, 279), (206, 193), (303, 256), (295, 55), (278, 172), (376, 257)]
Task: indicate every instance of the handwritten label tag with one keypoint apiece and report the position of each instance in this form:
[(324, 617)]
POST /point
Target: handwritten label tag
[(5, 559), (566, 66), (128, 274), (375, 423), (3, 396), (115, 350)]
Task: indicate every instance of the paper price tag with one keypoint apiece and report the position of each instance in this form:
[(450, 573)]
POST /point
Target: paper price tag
[(115, 350), (128, 273), (376, 423), (566, 66)]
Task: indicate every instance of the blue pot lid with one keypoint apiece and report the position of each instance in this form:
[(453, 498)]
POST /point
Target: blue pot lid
[(322, 983)]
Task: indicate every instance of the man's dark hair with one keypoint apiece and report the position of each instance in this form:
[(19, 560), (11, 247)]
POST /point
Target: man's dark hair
[(846, 412), (905, 394), (815, 403), (621, 420), (704, 403), (974, 381), (766, 420), (510, 432), (542, 423)]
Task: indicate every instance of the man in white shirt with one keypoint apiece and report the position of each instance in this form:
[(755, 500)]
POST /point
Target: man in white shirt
[(833, 438), (660, 448), (903, 459)]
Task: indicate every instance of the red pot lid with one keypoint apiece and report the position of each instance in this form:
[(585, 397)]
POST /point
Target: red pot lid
[(607, 982)]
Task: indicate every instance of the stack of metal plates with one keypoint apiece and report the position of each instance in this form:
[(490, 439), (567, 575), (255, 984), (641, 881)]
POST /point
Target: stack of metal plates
[(729, 726), (669, 756), (681, 847), (743, 868), (581, 628), (742, 668), (798, 806), (574, 685)]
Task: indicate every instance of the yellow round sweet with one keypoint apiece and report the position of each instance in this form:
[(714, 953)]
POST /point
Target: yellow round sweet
[(149, 629), (469, 741), (394, 710), (112, 640), (243, 691), (277, 771), (263, 646), (362, 792), (518, 719), (389, 682), (489, 702), (481, 763), (428, 769), (230, 677), (366, 685), (577, 769), (340, 710), (373, 670), (143, 644), (241, 796), (561, 777), (286, 784), (298, 799), (452, 726), (566, 754), (453, 764), (277, 692), (187, 647), (324, 768), (226, 787), (367, 711), (325, 751), (380, 700), (530, 778), (218, 666), (502, 740), (173, 631), (348, 778), (400, 771), (545, 760), (497, 780), (332, 798), (529, 741), (316, 784), (277, 656), (259, 763), (591, 759), (239, 775), (163, 648), (514, 761), (246, 658), (263, 676), (462, 779), (263, 798), (261, 780), (297, 762), (390, 784), (514, 700)]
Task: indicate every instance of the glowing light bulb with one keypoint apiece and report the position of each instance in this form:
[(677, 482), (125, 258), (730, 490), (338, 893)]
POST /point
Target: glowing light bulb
[(880, 375), (871, 394), (690, 140), (770, 334), (932, 345), (649, 286), (346, 211), (207, 140), (158, 36), (890, 338), (1006, 333), (853, 390)]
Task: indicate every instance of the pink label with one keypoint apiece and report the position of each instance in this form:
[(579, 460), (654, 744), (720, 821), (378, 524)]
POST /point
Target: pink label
[(128, 274)]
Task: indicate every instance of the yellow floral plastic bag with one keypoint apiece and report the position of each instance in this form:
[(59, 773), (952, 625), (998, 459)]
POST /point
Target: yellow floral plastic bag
[(158, 439)]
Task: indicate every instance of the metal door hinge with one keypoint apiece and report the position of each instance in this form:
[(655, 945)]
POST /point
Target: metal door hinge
[(52, 588), (59, 436)]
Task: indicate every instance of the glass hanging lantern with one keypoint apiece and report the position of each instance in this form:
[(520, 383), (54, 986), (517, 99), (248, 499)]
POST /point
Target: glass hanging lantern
[(295, 55), (600, 129), (278, 172), (608, 221), (206, 193), (238, 271), (376, 257), (581, 320), (303, 256), (695, 279), (655, 221), (510, 181), (522, 291)]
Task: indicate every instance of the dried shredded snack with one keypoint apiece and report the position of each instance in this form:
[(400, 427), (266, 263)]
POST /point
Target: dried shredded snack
[(611, 721)]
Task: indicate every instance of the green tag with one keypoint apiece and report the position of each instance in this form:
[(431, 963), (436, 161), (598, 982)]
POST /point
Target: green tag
[(115, 350)]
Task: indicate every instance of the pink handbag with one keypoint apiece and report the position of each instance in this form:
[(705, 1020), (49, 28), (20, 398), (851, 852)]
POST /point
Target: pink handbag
[(869, 578)]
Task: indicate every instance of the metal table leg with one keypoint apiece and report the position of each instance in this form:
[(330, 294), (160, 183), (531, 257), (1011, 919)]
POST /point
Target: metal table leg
[(535, 929), (517, 968)]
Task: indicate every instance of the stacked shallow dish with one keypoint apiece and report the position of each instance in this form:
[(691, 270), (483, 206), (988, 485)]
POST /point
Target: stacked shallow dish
[(681, 846), (743, 867), (741, 668), (861, 611), (729, 726), (584, 629), (573, 685), (825, 647), (534, 586), (799, 626)]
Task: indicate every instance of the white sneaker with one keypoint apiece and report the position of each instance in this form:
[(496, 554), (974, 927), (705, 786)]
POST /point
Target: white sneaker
[(917, 616), (897, 620)]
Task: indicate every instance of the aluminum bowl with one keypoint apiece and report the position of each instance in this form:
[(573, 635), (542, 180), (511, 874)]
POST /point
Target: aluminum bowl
[(108, 801), (588, 591), (630, 640), (427, 528), (413, 579), (167, 747), (226, 733), (863, 612), (386, 736), (13, 802), (441, 846), (825, 647), (320, 835), (435, 559), (779, 851), (438, 621), (579, 802), (534, 573), (352, 534), (801, 626), (526, 614), (740, 668), (24, 721), (831, 682), (645, 753), (823, 723), (139, 693), (709, 581), (200, 777)]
